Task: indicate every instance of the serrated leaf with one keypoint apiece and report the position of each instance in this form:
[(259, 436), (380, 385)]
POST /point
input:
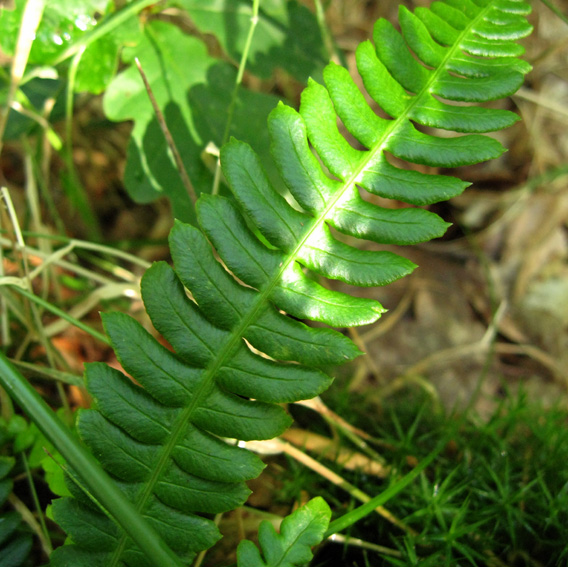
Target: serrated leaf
[(299, 532)]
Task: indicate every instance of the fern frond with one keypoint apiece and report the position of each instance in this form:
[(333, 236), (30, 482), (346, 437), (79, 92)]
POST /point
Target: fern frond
[(299, 532), (237, 355)]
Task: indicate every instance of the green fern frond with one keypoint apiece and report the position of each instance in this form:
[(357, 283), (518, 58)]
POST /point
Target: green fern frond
[(164, 442), (299, 532)]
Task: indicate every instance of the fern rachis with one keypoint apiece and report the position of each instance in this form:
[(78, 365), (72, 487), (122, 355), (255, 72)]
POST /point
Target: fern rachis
[(161, 441)]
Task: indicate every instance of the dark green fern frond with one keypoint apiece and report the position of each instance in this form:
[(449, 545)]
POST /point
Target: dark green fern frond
[(237, 355)]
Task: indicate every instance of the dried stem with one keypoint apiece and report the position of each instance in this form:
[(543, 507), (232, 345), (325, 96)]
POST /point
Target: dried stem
[(167, 134)]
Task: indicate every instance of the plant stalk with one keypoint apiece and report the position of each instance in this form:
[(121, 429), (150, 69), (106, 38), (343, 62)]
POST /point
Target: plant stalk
[(86, 467)]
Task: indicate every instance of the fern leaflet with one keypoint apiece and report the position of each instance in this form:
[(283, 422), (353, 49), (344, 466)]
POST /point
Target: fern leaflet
[(299, 532)]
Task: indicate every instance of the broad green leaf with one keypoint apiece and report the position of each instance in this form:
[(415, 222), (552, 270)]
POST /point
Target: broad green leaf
[(62, 23), (173, 63), (287, 34), (193, 91), (99, 62)]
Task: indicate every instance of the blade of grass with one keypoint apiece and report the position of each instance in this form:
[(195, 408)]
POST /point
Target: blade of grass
[(360, 512), (555, 10), (86, 467), (74, 188), (43, 532), (96, 247), (52, 373), (30, 21), (60, 313)]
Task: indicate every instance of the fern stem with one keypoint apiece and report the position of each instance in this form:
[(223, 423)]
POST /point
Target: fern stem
[(333, 52), (85, 465)]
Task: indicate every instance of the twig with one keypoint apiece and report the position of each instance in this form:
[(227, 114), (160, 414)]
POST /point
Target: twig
[(368, 360), (201, 556), (168, 136), (274, 446), (385, 324), (542, 101), (346, 540), (29, 518)]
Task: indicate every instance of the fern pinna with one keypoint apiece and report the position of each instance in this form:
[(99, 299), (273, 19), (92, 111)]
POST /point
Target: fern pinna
[(164, 442)]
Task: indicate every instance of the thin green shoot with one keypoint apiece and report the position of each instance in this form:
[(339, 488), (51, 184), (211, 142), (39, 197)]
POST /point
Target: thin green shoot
[(44, 532), (62, 314), (234, 94), (49, 373), (75, 191)]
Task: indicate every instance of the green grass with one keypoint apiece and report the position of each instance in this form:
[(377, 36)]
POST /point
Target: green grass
[(497, 495)]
